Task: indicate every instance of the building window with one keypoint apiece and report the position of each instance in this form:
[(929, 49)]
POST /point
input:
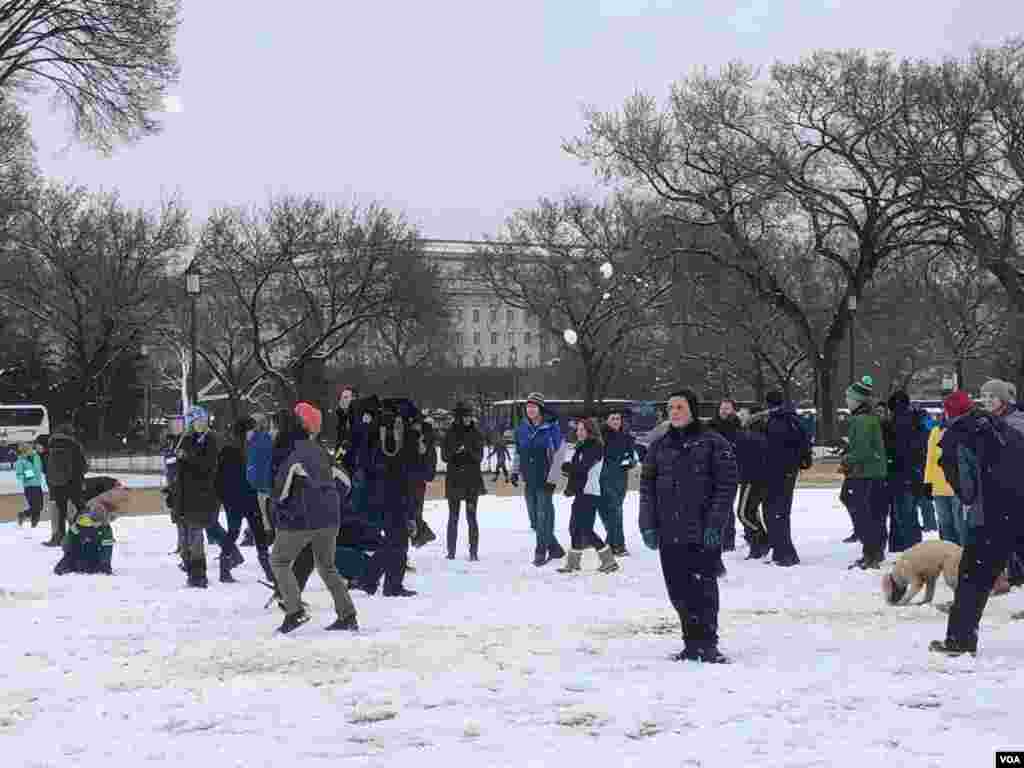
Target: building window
[(458, 314), (459, 339), (476, 315), (527, 338), (476, 337), (510, 317), (494, 360), (529, 361), (543, 344), (494, 314), (510, 338), (494, 339)]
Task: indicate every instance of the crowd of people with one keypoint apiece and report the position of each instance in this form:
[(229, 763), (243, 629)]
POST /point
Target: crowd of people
[(353, 514)]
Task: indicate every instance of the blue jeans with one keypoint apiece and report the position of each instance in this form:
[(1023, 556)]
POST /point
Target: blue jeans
[(952, 523), (927, 510), (541, 510)]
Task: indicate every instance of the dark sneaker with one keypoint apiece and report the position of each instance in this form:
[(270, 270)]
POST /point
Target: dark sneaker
[(293, 621), (364, 586), (950, 648), (348, 624), (788, 562), (400, 592), (712, 656), (851, 539)]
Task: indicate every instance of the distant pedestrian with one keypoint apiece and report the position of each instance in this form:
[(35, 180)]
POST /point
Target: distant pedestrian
[(28, 471), (66, 468)]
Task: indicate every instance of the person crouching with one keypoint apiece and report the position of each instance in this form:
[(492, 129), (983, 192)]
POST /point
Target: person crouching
[(308, 512), (89, 543), (584, 486)]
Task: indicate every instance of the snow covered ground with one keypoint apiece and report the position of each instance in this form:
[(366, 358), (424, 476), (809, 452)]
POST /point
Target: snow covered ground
[(8, 484), (495, 663)]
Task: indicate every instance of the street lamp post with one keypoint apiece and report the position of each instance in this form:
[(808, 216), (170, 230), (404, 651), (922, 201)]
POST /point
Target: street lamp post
[(193, 288), (851, 304), (513, 360)]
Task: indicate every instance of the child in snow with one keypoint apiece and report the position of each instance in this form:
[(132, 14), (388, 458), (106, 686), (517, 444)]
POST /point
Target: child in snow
[(89, 544), (28, 470)]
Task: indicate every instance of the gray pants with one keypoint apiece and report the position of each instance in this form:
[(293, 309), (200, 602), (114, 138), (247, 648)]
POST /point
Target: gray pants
[(287, 546), (192, 541)]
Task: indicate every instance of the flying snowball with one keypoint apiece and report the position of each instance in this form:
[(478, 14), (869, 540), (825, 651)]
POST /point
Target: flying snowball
[(607, 270), (570, 336)]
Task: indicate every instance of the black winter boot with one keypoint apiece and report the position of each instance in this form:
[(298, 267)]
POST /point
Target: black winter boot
[(197, 574), (225, 571), (348, 624), (474, 543), (555, 551), (453, 537)]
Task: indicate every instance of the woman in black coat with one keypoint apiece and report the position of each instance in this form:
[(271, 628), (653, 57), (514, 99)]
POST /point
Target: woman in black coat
[(462, 451)]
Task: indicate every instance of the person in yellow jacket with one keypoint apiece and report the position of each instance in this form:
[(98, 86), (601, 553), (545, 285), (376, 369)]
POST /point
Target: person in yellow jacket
[(952, 522)]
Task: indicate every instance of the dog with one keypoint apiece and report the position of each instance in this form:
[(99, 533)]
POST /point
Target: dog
[(920, 567)]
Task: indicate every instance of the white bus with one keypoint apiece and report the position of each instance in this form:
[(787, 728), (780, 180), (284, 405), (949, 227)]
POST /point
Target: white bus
[(21, 423)]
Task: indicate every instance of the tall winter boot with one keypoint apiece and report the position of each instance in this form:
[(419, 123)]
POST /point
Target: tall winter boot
[(572, 561), (474, 543), (198, 573), (555, 551), (608, 562), (453, 537), (225, 571)]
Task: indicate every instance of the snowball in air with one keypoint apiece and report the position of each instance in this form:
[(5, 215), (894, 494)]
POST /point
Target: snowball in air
[(607, 270), (570, 336)]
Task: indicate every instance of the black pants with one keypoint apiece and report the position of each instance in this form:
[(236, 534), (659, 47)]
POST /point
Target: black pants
[(61, 495), (581, 523), (868, 502), (247, 508), (454, 503), (396, 541), (749, 510), (778, 514), (34, 499), (987, 553), (501, 468), (689, 572)]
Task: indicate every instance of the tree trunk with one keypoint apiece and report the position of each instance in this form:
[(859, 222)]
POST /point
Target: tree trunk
[(826, 372)]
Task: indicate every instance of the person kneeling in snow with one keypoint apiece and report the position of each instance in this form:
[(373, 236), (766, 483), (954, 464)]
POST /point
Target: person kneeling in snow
[(89, 543), (687, 485)]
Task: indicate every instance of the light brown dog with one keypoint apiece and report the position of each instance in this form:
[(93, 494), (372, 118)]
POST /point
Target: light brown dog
[(920, 567)]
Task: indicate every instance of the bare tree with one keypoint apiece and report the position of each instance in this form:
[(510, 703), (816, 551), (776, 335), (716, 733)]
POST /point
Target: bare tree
[(309, 277), (798, 170), (585, 268), (91, 275), (108, 62), (18, 178)]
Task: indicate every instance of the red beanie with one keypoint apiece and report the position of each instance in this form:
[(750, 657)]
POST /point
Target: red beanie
[(310, 417), (957, 404)]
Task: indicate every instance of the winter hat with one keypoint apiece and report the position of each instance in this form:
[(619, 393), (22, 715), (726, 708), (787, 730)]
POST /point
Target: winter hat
[(957, 404), (196, 413), (691, 398), (310, 418), (898, 400), (999, 389), (861, 391), (774, 399), (536, 398)]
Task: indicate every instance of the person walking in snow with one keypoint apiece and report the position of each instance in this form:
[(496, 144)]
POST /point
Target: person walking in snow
[(501, 454), (687, 484), (726, 422), (308, 511), (906, 465), (539, 452), (462, 451), (259, 455), (66, 468), (750, 447), (982, 456), (28, 471), (195, 498), (865, 467), (584, 488), (619, 459)]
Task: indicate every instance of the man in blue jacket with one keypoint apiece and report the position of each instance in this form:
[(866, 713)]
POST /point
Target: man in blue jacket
[(538, 459), (687, 486)]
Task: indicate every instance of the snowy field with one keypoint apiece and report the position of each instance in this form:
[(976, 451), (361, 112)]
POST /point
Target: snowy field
[(9, 485), (496, 663)]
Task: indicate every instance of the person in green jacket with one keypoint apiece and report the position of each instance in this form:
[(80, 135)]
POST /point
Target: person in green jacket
[(28, 470), (865, 467)]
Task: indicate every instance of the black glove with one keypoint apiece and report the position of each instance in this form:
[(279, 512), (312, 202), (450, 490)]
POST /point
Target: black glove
[(549, 487)]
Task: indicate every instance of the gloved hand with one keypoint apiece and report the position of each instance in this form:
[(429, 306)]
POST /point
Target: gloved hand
[(712, 538), (514, 479), (549, 487), (650, 538), (411, 526)]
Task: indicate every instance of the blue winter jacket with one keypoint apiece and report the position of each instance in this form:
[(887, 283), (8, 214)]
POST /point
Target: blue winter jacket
[(259, 455), (687, 484), (312, 502), (536, 453), (619, 458), (786, 442)]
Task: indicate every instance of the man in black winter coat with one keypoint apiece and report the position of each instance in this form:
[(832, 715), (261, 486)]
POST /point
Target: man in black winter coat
[(687, 485), (787, 451), (906, 466), (65, 470), (749, 448)]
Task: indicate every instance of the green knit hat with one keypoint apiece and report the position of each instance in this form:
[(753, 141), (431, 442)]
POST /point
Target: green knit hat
[(861, 391)]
